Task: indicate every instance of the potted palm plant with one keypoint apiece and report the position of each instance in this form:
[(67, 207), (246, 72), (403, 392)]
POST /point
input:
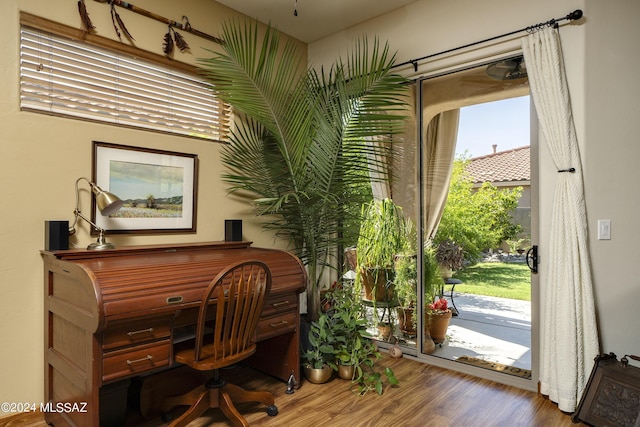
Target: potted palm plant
[(299, 146)]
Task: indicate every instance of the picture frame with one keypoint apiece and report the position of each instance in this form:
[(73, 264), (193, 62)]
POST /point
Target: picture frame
[(158, 188)]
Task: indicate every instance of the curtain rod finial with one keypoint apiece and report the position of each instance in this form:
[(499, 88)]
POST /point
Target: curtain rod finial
[(575, 15)]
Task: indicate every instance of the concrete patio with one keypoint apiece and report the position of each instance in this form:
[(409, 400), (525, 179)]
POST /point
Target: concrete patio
[(489, 328)]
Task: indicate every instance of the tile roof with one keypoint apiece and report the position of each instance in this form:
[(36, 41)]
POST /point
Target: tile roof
[(503, 166)]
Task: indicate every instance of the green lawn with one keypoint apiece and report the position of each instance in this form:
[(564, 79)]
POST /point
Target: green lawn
[(496, 279)]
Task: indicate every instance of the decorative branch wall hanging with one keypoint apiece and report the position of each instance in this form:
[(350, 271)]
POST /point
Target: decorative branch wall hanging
[(171, 38)]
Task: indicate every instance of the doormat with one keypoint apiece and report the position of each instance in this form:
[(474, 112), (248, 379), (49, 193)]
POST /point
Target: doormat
[(495, 366)]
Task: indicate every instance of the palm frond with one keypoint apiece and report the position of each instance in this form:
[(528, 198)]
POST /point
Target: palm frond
[(304, 137)]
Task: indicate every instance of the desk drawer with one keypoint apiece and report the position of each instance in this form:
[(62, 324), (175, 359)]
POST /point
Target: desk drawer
[(136, 332), (276, 325), (132, 361), (279, 304)]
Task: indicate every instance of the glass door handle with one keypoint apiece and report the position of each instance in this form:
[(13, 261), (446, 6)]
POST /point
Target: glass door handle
[(532, 259)]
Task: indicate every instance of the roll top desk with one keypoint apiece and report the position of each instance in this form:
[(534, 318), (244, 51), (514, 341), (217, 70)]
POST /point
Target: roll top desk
[(115, 314)]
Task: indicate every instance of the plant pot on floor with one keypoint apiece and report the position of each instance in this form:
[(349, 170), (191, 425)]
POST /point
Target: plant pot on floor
[(438, 323), (428, 346), (405, 321), (345, 372), (385, 331), (318, 375)]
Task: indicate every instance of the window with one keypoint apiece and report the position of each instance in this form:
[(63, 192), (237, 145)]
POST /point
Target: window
[(64, 77)]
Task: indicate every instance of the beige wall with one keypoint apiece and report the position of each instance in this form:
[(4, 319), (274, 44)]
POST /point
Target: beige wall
[(600, 56), (41, 157)]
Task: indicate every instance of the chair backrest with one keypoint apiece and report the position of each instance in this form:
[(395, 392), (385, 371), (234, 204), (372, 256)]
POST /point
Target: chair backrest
[(242, 287)]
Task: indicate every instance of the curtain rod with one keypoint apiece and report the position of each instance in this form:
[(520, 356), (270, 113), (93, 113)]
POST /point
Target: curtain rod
[(575, 15)]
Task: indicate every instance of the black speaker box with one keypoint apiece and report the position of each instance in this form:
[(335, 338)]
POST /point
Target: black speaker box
[(56, 235), (233, 230)]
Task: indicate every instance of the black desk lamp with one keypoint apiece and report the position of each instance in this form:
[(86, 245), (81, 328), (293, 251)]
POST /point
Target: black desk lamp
[(107, 203)]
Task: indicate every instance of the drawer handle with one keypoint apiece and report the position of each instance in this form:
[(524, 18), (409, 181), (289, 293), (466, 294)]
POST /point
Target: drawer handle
[(144, 359), (280, 304), (141, 331), (276, 325)]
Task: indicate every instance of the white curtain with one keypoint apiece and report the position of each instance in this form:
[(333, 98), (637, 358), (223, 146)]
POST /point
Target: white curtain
[(569, 332)]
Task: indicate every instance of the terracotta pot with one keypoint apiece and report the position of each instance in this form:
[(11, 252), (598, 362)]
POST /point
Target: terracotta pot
[(384, 331), (405, 321), (377, 284), (318, 376), (438, 324)]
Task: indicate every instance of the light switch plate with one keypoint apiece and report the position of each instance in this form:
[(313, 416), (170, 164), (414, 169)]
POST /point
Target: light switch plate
[(604, 229)]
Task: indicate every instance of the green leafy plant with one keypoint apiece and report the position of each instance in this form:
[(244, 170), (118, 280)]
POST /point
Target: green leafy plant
[(406, 280), (352, 345), (321, 344), (476, 219), (298, 152), (383, 235), (432, 279), (368, 379), (516, 245), (349, 326)]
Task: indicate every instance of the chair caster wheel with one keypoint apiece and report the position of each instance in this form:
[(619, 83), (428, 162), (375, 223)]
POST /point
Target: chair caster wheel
[(272, 410)]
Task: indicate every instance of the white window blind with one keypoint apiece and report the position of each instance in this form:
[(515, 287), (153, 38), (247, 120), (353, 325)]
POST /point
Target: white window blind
[(64, 77)]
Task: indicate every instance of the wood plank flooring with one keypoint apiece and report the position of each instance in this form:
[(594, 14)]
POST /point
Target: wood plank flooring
[(427, 396)]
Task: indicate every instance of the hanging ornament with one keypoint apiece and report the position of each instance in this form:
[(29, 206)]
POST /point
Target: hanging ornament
[(180, 41), (167, 44), (173, 38), (117, 22), (84, 16), (295, 8)]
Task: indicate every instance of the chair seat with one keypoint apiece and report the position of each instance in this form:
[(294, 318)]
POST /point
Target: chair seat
[(209, 361)]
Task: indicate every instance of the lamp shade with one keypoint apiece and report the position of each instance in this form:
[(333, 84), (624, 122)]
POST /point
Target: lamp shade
[(107, 203)]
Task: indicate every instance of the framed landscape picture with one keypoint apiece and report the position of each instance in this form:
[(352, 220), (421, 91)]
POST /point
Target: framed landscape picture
[(158, 188)]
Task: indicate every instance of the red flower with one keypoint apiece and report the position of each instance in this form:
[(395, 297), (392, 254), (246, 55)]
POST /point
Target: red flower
[(439, 305)]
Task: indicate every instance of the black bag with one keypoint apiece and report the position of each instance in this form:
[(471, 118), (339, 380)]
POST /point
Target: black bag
[(612, 395)]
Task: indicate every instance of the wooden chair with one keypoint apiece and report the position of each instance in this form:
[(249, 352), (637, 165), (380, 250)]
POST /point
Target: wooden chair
[(242, 287)]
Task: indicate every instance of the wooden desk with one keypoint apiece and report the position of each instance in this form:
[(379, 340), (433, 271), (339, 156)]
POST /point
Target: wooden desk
[(111, 315)]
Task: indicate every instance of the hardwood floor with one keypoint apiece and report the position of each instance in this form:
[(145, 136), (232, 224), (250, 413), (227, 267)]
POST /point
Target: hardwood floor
[(427, 396)]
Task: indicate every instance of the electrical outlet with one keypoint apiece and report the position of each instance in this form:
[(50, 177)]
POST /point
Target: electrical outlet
[(604, 229)]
